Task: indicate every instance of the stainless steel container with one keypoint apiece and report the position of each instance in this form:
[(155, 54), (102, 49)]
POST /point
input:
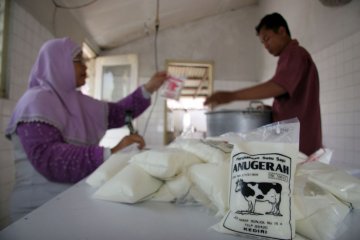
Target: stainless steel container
[(220, 122)]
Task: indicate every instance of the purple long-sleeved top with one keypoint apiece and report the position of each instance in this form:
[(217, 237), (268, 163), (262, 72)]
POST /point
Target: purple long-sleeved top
[(60, 161)]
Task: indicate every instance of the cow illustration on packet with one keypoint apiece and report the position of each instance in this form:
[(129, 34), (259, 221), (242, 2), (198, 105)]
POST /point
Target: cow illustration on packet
[(260, 192)]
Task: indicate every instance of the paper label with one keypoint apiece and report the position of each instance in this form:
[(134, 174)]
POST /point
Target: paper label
[(260, 192)]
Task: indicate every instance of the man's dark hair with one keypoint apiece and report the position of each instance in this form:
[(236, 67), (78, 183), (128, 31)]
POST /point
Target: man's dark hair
[(273, 22)]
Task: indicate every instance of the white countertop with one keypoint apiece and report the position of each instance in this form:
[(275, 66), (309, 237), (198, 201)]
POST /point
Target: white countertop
[(75, 215)]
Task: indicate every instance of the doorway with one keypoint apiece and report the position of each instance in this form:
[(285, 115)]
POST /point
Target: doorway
[(186, 116)]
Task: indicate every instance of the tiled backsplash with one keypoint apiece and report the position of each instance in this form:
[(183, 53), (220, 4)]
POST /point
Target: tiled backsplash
[(339, 70), (26, 37)]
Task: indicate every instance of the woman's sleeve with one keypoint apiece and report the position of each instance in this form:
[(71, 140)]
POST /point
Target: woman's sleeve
[(55, 159), (136, 102)]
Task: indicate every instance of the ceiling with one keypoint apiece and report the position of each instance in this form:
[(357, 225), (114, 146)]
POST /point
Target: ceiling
[(113, 23)]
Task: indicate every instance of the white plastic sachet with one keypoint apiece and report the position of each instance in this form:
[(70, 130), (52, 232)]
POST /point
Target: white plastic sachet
[(109, 168), (176, 189), (165, 163), (172, 87), (130, 185), (262, 173), (213, 180), (318, 213), (332, 179), (209, 151)]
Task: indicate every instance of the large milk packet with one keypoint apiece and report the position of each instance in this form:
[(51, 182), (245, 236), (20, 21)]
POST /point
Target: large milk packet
[(262, 173)]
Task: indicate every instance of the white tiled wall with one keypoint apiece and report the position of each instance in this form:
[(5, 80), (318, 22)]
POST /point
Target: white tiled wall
[(26, 36), (339, 70), (154, 132)]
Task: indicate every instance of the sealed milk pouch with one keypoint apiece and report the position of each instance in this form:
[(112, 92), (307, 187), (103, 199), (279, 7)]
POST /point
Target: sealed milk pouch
[(172, 87), (109, 168), (212, 179), (210, 151), (262, 173)]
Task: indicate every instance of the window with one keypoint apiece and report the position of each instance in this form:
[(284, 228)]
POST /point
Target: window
[(186, 116), (4, 6), (115, 78)]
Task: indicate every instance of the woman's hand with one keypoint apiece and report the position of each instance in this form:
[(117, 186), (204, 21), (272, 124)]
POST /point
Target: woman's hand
[(128, 140), (156, 81)]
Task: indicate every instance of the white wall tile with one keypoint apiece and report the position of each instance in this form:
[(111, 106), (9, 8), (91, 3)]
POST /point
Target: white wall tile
[(340, 99), (25, 39)]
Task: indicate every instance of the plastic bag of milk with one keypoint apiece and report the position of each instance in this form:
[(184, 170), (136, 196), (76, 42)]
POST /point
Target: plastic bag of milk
[(171, 89), (261, 181)]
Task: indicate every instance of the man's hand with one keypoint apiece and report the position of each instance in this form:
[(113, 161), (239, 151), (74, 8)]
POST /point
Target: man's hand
[(218, 98)]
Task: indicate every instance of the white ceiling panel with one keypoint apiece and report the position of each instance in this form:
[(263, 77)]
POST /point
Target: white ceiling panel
[(113, 23)]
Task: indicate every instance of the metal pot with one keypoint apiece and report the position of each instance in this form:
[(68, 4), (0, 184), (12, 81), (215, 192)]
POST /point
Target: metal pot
[(219, 122)]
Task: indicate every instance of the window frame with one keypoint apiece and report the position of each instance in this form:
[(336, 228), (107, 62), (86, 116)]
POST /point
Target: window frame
[(4, 18)]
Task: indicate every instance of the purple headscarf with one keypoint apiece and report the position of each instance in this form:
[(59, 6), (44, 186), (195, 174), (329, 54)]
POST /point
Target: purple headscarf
[(52, 97)]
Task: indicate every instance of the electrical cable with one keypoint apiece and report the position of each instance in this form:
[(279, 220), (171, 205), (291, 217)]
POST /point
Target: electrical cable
[(53, 21), (157, 25)]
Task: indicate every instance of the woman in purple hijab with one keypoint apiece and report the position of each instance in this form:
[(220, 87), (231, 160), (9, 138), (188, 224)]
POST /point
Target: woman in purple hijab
[(56, 129)]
